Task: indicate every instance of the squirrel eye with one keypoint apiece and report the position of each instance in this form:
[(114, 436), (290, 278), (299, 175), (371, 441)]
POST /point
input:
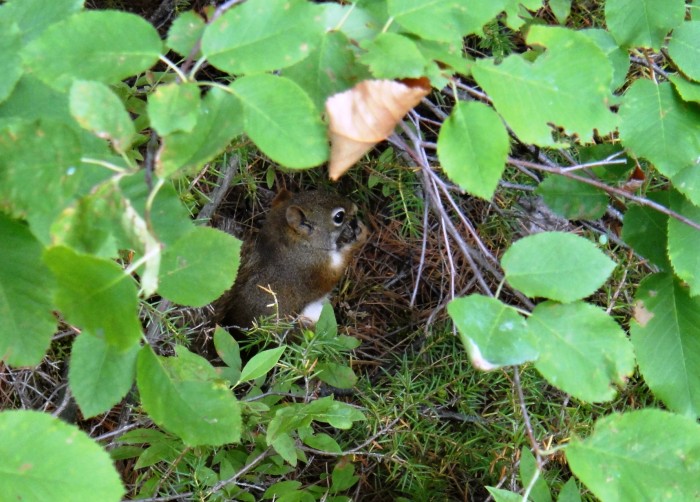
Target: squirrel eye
[(338, 216)]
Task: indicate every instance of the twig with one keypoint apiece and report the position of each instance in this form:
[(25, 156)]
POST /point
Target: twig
[(606, 188), (221, 484)]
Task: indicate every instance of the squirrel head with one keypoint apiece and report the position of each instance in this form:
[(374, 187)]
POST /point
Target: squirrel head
[(319, 220)]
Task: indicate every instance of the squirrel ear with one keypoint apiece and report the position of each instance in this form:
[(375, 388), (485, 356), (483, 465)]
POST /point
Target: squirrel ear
[(282, 196), (297, 220)]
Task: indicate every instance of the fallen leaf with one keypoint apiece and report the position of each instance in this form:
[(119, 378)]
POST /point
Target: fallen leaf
[(361, 117)]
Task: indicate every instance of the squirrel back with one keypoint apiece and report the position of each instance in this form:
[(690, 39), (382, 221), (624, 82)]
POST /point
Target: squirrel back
[(297, 258)]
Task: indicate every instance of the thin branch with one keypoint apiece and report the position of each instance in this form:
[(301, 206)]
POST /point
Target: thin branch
[(606, 188)]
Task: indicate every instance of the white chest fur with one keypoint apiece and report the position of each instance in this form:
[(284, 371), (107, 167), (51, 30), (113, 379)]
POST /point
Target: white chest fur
[(337, 260)]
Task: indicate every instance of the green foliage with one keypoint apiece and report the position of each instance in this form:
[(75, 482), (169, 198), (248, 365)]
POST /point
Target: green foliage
[(649, 454), (47, 459), (89, 236)]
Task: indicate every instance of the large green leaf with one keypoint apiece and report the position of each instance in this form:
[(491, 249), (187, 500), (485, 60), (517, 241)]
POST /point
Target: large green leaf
[(329, 69), (34, 16), (220, 119), (689, 91), (578, 339), (641, 455), (174, 107), (659, 126), (684, 50), (493, 333), (100, 374), (572, 199), (618, 57), (687, 182), (282, 120), (473, 147), (444, 20), (97, 295), (99, 110), (10, 43), (391, 55), (645, 229), (684, 243), (185, 32), (666, 337), (528, 469), (643, 23), (38, 171), (199, 267), (556, 265), (531, 96), (516, 11), (181, 395), (44, 458), (262, 35), (92, 45), (26, 288)]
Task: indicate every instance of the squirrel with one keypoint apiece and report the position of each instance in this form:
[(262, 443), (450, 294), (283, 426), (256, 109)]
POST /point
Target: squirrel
[(297, 258)]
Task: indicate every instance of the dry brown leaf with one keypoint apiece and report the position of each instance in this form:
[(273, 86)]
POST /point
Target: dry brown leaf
[(363, 116)]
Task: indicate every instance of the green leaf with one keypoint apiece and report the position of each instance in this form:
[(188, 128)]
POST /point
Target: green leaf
[(174, 107), (684, 243), (169, 221), (556, 265), (683, 48), (286, 447), (578, 339), (339, 415), (99, 110), (643, 23), (179, 398), (38, 171), (10, 45), (561, 9), (96, 295), (569, 492), (641, 455), (444, 20), (327, 326), (100, 374), (199, 267), (261, 363), (618, 57), (665, 333), (227, 349), (530, 96), (185, 32), (26, 287), (572, 199), (473, 147), (337, 375), (390, 55), (493, 333), (516, 11), (689, 91), (323, 442), (34, 16), (528, 467), (47, 459), (657, 125), (500, 495), (687, 181), (645, 229), (91, 45), (282, 120), (329, 69), (343, 477), (281, 488), (262, 35), (220, 119)]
